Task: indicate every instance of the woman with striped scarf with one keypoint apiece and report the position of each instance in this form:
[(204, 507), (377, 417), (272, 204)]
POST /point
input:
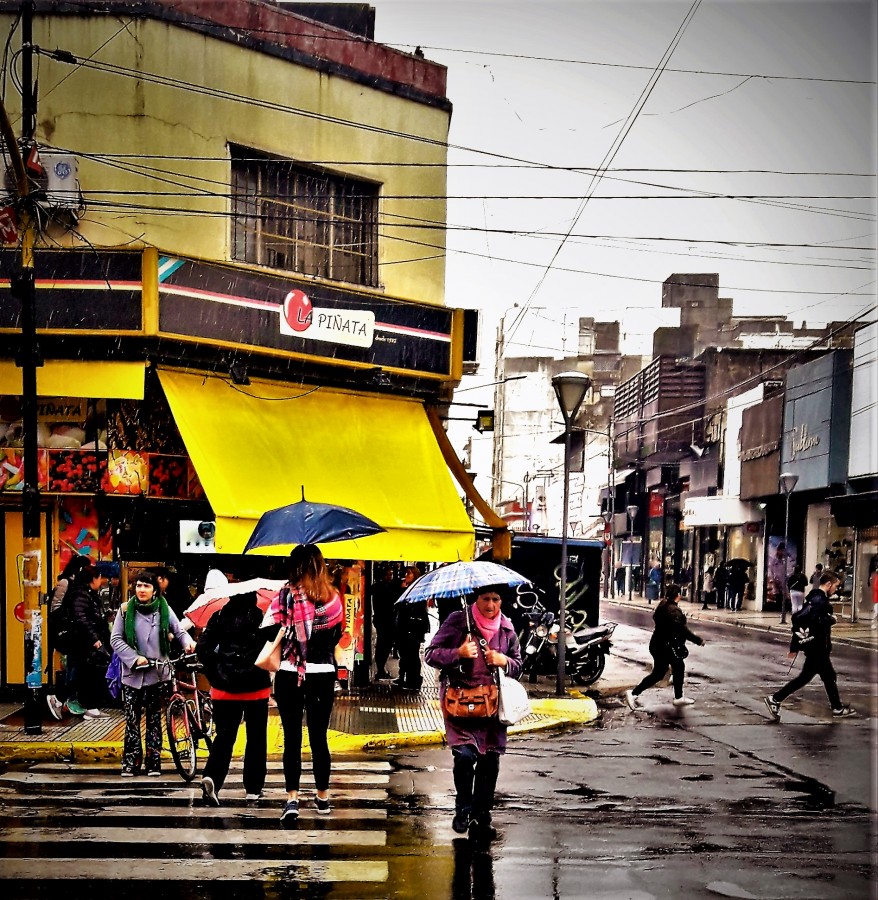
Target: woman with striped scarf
[(309, 610)]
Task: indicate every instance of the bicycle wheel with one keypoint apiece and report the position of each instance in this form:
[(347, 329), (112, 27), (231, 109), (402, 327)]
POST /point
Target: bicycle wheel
[(180, 738)]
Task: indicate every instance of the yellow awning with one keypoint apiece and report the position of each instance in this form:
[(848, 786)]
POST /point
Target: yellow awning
[(255, 447), (78, 378)]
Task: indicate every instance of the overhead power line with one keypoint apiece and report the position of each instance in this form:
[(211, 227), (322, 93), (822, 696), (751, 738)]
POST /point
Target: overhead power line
[(610, 155)]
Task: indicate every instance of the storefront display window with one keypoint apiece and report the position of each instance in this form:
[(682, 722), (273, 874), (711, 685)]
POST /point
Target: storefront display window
[(865, 571), (835, 549), (743, 544)]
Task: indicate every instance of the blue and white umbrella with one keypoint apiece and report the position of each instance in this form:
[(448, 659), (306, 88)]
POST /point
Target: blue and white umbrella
[(460, 579)]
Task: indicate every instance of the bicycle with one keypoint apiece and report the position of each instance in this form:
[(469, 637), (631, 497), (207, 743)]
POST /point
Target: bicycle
[(188, 719)]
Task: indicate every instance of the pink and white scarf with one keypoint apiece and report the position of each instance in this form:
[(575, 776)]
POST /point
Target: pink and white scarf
[(300, 616)]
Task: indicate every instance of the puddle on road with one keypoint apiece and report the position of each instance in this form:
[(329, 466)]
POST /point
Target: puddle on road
[(814, 794)]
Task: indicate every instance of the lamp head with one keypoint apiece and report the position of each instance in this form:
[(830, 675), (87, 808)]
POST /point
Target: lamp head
[(570, 389), (632, 510), (788, 482)]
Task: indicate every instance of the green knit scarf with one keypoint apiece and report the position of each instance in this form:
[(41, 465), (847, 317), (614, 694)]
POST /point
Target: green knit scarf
[(157, 603)]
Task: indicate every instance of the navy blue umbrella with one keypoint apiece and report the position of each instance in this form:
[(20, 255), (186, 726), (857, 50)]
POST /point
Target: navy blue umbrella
[(305, 522)]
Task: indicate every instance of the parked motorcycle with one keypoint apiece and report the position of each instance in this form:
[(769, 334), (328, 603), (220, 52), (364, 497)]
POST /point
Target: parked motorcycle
[(585, 648)]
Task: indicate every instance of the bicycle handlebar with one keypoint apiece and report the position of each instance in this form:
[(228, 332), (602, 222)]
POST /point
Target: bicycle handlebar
[(188, 661)]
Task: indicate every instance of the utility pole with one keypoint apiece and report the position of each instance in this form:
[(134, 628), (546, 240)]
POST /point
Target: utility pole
[(24, 289)]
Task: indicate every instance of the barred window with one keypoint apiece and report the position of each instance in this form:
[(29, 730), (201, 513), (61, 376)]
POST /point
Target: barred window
[(287, 216)]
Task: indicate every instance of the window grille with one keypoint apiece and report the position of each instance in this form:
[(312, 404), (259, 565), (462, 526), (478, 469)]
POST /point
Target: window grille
[(287, 216)]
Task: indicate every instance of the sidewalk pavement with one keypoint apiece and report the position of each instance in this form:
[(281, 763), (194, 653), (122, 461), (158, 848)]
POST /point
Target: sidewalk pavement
[(856, 634), (363, 719)]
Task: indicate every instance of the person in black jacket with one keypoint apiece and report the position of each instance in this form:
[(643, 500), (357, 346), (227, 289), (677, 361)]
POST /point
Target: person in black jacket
[(412, 624), (55, 699), (667, 647), (228, 648), (385, 592), (815, 642), (90, 640)]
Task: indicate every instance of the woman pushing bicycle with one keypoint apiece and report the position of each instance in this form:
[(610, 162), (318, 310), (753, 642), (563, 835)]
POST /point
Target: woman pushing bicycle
[(140, 634)]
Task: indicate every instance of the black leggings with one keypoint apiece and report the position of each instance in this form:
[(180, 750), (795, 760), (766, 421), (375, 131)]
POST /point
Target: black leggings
[(660, 664), (314, 698)]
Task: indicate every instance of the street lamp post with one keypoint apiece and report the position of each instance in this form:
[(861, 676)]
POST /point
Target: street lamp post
[(609, 581), (632, 515), (788, 482), (570, 389)]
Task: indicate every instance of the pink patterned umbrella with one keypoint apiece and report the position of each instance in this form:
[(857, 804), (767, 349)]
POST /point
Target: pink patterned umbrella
[(216, 597)]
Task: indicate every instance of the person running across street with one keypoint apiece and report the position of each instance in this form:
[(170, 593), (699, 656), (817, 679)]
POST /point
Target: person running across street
[(814, 641), (667, 646)]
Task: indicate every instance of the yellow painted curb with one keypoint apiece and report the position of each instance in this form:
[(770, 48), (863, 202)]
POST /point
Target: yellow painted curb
[(552, 713)]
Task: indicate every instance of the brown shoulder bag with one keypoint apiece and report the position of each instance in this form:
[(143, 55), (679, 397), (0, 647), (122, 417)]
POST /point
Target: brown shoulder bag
[(479, 702)]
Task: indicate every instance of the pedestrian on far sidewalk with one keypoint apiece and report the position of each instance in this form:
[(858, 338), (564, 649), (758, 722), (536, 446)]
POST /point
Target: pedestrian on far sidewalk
[(797, 585), (310, 612), (228, 647), (89, 641), (812, 637), (654, 582), (708, 589), (720, 583), (667, 646), (737, 585)]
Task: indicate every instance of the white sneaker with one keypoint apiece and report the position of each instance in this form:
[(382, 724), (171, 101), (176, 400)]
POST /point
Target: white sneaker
[(93, 713), (56, 707), (683, 701), (631, 699)]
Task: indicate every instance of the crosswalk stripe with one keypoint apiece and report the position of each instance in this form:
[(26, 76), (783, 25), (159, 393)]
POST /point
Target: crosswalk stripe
[(184, 795), (205, 870), (113, 779), (62, 823), (13, 815), (190, 836)]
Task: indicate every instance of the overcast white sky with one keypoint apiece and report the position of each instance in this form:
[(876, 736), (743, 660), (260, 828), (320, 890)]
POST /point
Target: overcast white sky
[(553, 83)]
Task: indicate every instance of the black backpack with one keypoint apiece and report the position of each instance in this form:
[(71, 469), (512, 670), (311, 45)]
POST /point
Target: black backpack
[(804, 621), (60, 626)]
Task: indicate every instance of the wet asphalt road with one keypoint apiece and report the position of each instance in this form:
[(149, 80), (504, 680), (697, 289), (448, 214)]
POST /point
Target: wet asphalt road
[(713, 801)]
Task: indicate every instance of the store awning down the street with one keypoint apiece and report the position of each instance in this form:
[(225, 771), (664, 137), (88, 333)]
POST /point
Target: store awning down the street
[(256, 447), (78, 378)]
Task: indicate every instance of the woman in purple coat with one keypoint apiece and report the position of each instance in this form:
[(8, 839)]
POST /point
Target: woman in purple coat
[(469, 658)]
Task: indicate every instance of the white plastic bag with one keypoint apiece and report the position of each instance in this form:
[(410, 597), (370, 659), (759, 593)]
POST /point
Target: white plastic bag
[(514, 702)]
